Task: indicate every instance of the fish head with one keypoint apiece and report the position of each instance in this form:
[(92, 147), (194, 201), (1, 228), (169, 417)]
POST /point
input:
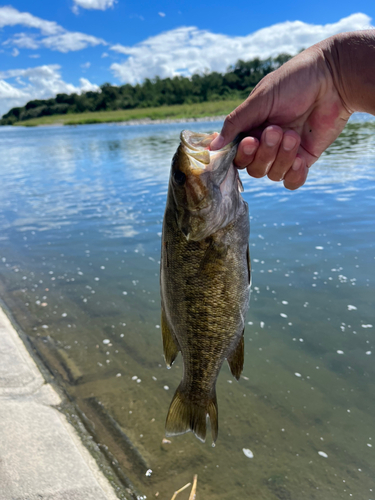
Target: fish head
[(205, 185)]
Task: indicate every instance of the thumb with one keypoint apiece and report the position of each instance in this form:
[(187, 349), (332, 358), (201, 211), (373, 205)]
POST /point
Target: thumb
[(247, 116)]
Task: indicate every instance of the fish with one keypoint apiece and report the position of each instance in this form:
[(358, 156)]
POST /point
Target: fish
[(205, 278)]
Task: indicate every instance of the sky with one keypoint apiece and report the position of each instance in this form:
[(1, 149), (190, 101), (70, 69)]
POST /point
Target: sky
[(50, 47)]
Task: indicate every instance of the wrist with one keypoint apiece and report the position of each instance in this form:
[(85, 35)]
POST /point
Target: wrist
[(350, 58)]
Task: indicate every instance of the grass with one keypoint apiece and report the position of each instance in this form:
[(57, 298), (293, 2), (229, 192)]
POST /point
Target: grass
[(198, 110)]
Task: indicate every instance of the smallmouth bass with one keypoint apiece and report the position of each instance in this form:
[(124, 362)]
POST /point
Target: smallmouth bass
[(204, 278)]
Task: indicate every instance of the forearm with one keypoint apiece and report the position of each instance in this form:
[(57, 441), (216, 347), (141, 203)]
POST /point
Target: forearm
[(351, 60)]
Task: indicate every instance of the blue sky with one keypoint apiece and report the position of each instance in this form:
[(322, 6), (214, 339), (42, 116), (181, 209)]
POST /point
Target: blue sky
[(55, 46)]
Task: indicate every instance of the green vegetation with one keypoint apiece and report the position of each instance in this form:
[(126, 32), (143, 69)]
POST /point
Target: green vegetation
[(157, 98), (198, 110)]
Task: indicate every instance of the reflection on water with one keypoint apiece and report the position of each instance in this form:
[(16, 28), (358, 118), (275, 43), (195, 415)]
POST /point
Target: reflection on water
[(80, 217)]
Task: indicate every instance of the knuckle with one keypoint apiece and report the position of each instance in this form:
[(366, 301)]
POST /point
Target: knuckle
[(231, 119)]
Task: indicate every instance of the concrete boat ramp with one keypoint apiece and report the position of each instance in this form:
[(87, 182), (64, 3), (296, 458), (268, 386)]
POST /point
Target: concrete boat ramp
[(41, 454)]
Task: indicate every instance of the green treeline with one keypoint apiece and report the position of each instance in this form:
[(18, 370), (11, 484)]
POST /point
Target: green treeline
[(237, 82)]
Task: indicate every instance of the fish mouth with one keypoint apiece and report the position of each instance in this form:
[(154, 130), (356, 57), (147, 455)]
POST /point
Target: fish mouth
[(197, 147)]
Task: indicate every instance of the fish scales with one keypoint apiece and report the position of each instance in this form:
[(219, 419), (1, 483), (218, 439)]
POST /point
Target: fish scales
[(205, 282)]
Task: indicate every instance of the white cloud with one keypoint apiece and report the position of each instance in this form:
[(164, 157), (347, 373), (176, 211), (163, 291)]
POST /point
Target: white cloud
[(86, 86), (12, 17), (15, 52), (41, 82), (71, 41), (51, 35), (189, 50), (161, 14), (93, 4), (86, 65), (24, 41)]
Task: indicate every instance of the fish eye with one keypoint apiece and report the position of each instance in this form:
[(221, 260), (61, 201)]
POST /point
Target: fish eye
[(179, 177)]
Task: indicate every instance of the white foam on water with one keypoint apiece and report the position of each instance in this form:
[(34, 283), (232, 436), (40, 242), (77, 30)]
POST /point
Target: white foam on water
[(366, 326), (248, 453), (297, 374), (166, 388), (106, 341), (351, 308), (283, 315), (319, 248), (340, 352), (322, 454)]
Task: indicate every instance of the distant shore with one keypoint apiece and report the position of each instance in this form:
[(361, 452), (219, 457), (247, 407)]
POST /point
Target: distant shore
[(139, 121), (206, 111), (148, 121)]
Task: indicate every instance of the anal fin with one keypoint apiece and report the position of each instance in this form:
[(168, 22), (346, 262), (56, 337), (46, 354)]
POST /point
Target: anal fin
[(169, 344), (236, 358)]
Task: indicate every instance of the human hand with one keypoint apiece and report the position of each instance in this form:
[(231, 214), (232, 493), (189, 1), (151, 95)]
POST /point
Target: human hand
[(299, 103)]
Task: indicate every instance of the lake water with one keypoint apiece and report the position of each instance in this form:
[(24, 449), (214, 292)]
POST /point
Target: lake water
[(81, 210)]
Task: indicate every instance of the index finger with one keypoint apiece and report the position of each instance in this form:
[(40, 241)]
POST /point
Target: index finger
[(247, 116)]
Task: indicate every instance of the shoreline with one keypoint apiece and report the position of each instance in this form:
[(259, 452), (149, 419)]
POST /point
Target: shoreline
[(126, 123), (40, 447), (158, 121), (198, 112)]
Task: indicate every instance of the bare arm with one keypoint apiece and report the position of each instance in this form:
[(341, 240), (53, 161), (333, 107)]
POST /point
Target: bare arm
[(297, 111)]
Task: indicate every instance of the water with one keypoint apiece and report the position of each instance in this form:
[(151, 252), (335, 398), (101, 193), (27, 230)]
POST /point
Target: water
[(80, 217)]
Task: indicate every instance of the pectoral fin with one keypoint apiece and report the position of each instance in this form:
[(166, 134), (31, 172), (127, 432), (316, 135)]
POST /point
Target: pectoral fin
[(236, 358), (169, 344)]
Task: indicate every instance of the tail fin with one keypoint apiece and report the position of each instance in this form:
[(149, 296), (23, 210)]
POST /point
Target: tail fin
[(185, 415)]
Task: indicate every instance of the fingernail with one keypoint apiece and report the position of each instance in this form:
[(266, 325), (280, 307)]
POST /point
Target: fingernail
[(289, 142), (217, 143), (297, 164), (272, 138), (250, 148)]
